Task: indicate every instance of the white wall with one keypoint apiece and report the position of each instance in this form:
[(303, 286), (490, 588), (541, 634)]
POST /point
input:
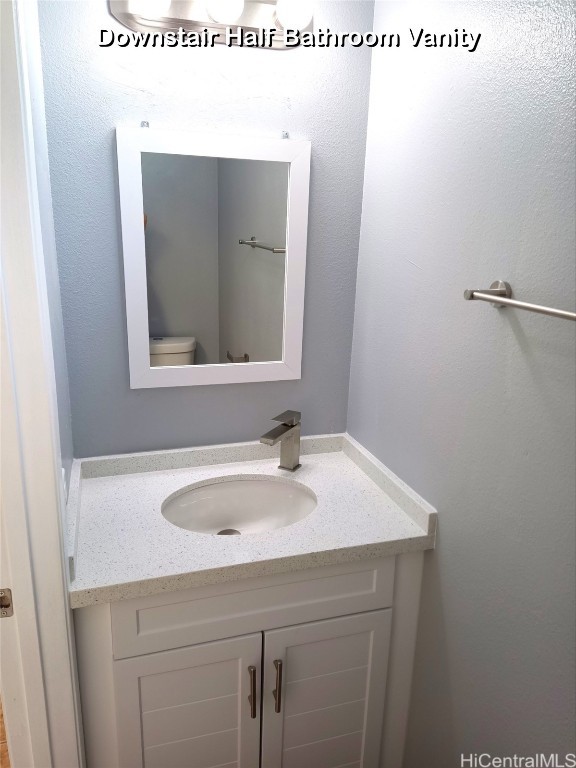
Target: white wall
[(252, 202), (37, 682), (470, 178), (38, 117), (181, 203)]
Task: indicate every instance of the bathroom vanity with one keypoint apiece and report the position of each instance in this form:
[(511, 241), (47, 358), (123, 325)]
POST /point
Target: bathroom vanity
[(290, 647)]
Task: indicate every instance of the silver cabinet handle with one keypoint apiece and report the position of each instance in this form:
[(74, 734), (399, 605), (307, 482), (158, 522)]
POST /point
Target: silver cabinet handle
[(252, 696), (278, 692)]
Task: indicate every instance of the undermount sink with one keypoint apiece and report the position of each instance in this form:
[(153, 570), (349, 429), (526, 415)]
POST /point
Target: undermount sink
[(239, 504)]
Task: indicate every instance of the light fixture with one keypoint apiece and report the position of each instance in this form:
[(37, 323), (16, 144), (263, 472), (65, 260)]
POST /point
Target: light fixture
[(225, 11), (149, 9), (294, 14), (203, 23)]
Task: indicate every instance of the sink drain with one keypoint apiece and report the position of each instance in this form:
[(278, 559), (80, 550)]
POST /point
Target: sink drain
[(228, 532)]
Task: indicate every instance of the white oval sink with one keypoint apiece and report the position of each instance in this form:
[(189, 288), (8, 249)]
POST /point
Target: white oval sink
[(239, 504)]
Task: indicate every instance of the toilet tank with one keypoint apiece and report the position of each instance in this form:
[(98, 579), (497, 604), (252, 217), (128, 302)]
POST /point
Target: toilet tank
[(172, 350)]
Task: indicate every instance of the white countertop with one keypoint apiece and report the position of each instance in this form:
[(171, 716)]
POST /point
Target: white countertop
[(125, 548)]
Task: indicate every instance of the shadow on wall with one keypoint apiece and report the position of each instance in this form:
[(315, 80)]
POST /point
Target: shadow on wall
[(440, 718)]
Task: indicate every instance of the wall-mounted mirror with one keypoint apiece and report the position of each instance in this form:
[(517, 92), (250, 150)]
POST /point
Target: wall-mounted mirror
[(214, 241)]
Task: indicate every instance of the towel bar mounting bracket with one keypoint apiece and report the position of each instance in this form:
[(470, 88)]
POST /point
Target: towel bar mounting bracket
[(497, 288)]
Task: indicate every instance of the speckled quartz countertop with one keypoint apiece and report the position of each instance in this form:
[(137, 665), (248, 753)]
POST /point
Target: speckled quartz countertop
[(122, 546)]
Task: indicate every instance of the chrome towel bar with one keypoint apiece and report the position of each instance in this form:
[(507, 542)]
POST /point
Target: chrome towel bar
[(255, 244), (499, 294)]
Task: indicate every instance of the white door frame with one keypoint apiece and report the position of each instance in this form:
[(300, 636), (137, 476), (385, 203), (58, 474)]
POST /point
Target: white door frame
[(37, 663)]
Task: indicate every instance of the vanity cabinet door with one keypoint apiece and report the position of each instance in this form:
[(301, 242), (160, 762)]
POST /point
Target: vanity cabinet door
[(190, 708), (332, 679)]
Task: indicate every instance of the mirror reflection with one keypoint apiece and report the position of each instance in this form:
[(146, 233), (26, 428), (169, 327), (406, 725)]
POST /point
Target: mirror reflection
[(212, 298)]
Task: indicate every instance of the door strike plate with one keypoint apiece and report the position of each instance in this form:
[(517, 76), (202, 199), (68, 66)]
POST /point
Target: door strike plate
[(6, 607)]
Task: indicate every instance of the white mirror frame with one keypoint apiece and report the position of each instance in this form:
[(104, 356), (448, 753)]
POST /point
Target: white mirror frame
[(131, 142)]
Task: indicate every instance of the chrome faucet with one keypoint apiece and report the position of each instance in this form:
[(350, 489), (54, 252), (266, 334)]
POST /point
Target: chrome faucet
[(288, 434)]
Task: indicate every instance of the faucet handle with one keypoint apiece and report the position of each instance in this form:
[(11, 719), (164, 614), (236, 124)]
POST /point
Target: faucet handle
[(289, 418)]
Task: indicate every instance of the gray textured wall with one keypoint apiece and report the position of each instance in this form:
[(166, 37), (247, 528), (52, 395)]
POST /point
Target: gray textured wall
[(317, 94), (470, 178)]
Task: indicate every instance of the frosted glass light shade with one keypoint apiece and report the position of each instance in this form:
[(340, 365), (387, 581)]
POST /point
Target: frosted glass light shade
[(225, 11), (294, 14)]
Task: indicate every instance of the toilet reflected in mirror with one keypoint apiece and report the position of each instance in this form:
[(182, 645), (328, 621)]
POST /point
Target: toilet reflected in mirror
[(172, 350)]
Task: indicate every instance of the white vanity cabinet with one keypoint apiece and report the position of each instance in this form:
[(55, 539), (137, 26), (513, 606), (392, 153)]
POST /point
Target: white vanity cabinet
[(189, 707), (332, 680), (317, 689), (307, 669)]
